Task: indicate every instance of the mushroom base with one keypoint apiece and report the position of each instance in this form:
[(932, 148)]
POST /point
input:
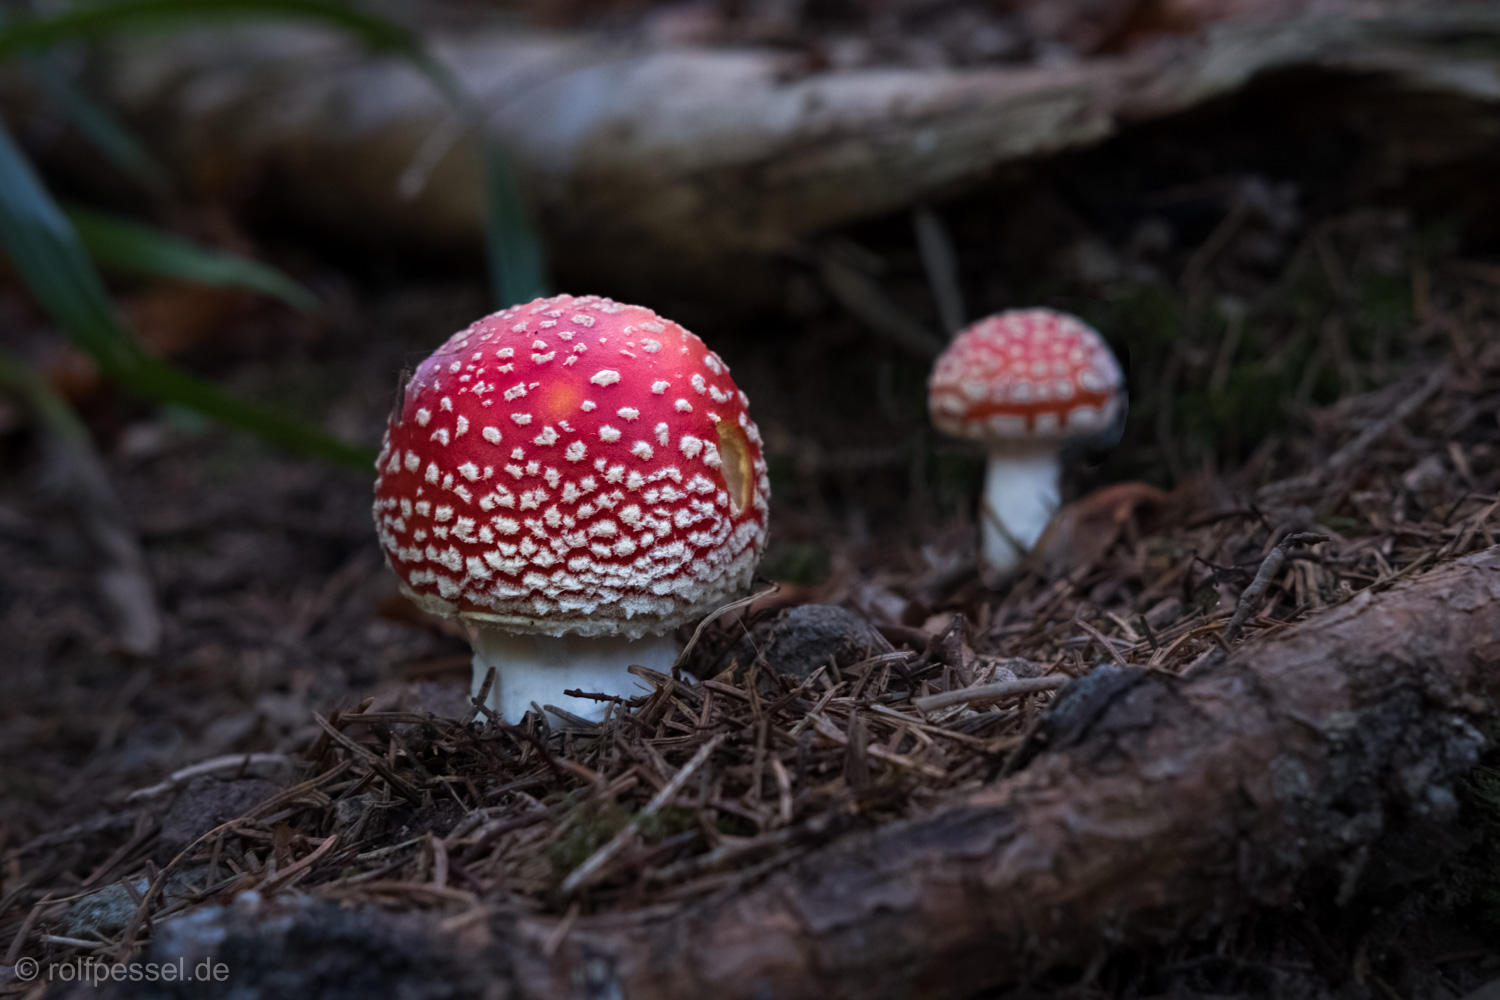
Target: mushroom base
[(539, 668), (1021, 493)]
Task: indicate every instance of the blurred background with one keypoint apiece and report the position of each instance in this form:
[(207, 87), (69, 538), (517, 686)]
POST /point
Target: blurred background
[(228, 226)]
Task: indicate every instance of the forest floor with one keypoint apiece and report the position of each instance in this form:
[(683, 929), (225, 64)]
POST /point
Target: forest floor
[(278, 610), (1297, 365)]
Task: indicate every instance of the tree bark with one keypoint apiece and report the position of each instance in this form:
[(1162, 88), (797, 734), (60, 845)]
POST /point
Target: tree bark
[(1160, 805)]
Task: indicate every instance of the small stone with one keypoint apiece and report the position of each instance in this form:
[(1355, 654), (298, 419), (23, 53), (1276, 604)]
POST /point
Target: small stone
[(804, 638), (109, 910), (204, 803)]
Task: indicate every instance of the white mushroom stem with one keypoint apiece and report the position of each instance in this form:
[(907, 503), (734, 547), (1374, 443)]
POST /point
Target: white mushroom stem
[(1020, 496), (539, 668)]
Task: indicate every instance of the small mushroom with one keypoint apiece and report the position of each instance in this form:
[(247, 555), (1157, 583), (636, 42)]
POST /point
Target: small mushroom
[(1024, 383), (572, 478)]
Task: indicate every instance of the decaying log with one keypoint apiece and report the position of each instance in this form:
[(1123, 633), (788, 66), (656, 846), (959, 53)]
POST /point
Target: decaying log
[(658, 163), (1166, 804)]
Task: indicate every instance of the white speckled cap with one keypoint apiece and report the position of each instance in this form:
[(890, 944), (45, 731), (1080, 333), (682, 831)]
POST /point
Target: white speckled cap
[(573, 465), (1025, 375)]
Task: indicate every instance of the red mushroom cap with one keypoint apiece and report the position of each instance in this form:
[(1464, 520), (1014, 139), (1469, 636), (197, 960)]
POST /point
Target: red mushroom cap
[(573, 465), (1025, 375)]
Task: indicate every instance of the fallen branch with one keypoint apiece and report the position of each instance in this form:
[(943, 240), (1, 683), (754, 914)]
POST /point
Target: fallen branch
[(624, 148), (985, 693), (1269, 567)]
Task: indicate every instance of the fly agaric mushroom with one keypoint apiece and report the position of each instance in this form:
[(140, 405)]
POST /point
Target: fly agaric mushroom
[(571, 479), (1024, 383)]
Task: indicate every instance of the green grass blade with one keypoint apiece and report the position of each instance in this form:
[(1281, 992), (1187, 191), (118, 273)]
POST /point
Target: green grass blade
[(515, 256), (46, 252), (96, 123), (30, 387), (129, 246), (51, 260), (95, 19), (158, 380), (513, 252)]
